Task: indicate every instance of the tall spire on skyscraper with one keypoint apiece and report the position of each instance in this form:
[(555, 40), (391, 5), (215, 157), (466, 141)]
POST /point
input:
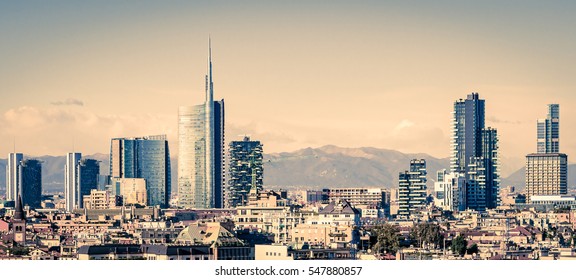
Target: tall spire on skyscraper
[(209, 83)]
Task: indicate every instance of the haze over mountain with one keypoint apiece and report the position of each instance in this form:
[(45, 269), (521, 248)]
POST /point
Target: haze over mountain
[(327, 166)]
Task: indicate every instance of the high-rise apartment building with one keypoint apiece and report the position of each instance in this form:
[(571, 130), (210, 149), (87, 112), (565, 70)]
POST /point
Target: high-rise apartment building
[(450, 191), (245, 171), (12, 176), (548, 131), (547, 170), (546, 174), (31, 182), (147, 158), (201, 154), (412, 188), (475, 153), (71, 183)]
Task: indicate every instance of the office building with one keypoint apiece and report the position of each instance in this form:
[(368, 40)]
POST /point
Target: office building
[(71, 192), (147, 158), (31, 182), (412, 188), (245, 171), (547, 170), (475, 153), (201, 154), (88, 172), (548, 131), (12, 176)]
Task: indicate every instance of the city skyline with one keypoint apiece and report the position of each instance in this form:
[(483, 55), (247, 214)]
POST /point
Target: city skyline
[(367, 71)]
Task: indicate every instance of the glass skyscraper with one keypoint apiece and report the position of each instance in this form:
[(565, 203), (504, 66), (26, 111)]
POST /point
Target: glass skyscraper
[(201, 153), (547, 170), (88, 170), (475, 153), (31, 182), (12, 176), (245, 171), (549, 131), (147, 158)]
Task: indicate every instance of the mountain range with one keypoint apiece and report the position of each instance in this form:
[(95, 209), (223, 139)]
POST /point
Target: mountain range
[(327, 166)]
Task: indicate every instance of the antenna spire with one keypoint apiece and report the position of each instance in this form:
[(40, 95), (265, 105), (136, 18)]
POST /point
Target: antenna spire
[(209, 84)]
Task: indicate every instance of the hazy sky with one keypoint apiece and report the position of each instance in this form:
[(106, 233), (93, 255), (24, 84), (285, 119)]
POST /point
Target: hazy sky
[(293, 74)]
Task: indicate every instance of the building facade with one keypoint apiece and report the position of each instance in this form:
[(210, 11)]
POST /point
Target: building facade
[(412, 188), (12, 176), (450, 191), (71, 183), (547, 170), (245, 171), (474, 150), (548, 131), (132, 190), (31, 182), (147, 158), (546, 174), (88, 172), (201, 154)]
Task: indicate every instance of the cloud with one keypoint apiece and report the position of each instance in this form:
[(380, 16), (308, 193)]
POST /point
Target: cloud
[(68, 102), (53, 130), (497, 120)]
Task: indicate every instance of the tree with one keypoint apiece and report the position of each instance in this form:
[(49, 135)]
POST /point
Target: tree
[(20, 251), (427, 233), (472, 249), (387, 238), (459, 244)]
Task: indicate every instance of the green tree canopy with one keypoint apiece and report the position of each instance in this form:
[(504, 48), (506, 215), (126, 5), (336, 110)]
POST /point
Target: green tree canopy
[(388, 238), (427, 233), (459, 244)]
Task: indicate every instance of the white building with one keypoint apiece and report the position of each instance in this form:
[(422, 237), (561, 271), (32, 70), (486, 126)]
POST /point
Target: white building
[(71, 180), (450, 191), (13, 176)]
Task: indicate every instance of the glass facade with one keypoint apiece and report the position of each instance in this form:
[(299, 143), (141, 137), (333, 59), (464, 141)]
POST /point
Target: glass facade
[(88, 172), (200, 162), (475, 153), (548, 131), (147, 158), (201, 152), (31, 182)]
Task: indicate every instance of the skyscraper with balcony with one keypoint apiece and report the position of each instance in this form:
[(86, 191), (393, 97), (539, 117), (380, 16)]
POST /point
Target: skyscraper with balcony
[(245, 171), (12, 176), (475, 153), (547, 170), (548, 130), (31, 182), (412, 188), (201, 154), (147, 158), (71, 180)]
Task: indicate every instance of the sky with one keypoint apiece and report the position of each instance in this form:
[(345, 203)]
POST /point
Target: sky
[(293, 74)]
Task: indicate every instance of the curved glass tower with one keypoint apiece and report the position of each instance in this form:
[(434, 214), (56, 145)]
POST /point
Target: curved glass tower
[(200, 151)]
